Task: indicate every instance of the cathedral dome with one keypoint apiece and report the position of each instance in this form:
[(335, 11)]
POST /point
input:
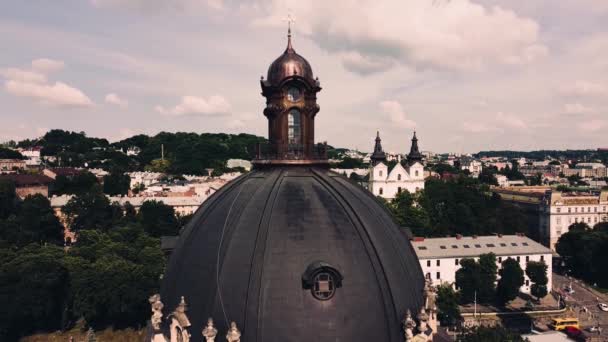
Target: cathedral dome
[(289, 64), (295, 254)]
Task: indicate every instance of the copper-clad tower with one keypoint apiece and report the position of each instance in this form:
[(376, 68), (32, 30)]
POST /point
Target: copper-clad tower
[(291, 106)]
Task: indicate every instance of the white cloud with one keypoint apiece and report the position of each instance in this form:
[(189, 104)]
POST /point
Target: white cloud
[(23, 75), (577, 108), (510, 121), (364, 65), (453, 35), (584, 88), (59, 94), (45, 65), (114, 99), (35, 85), (214, 105), (592, 125), (396, 114)]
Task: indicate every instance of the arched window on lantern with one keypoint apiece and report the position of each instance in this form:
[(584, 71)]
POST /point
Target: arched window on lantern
[(294, 132)]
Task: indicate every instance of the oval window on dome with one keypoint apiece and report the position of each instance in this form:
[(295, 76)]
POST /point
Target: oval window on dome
[(324, 286), (322, 279), (293, 94)]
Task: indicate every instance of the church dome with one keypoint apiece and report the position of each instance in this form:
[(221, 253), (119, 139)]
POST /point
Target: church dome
[(294, 253), (289, 64)]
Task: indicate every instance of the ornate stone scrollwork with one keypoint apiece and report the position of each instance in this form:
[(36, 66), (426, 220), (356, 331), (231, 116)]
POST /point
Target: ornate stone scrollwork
[(233, 335), (210, 332), (180, 323), (157, 314), (408, 326)]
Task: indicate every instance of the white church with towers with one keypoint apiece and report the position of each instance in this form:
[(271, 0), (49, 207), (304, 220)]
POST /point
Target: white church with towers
[(388, 183)]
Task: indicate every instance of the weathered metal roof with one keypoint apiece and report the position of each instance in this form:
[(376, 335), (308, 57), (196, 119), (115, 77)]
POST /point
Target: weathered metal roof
[(453, 247), (243, 256)]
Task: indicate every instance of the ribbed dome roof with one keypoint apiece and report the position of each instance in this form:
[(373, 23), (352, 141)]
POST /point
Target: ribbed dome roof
[(251, 251), (289, 64)]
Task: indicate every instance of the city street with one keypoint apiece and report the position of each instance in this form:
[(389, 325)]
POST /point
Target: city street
[(583, 297)]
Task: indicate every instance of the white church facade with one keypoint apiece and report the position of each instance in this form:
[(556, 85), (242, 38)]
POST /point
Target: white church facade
[(388, 183)]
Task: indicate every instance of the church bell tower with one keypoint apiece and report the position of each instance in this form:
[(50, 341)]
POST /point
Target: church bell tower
[(291, 106)]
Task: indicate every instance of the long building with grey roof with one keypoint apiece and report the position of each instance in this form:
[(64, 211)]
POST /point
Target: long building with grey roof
[(440, 257)]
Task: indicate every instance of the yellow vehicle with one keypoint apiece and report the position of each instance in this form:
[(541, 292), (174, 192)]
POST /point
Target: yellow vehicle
[(562, 323)]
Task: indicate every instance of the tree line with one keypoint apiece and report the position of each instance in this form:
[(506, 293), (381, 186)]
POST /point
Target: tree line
[(584, 251), (589, 155), (456, 206), (184, 153), (104, 277), (478, 281)]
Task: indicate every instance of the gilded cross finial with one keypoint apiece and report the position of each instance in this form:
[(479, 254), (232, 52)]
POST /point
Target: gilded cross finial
[(289, 21)]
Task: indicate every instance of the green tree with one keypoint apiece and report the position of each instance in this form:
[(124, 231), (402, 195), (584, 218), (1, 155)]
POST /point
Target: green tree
[(130, 214), (537, 272), (73, 185), (487, 278), (351, 163), (601, 227), (578, 226), (158, 219), (511, 279), (447, 305), (89, 210), (489, 334), (116, 184), (468, 279), (477, 279), (537, 179), (8, 198), (158, 165), (110, 274), (6, 153), (38, 222), (488, 176), (33, 283), (409, 214)]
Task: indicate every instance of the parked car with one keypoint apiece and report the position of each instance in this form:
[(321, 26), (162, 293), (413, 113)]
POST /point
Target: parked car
[(573, 331), (603, 306), (569, 290)]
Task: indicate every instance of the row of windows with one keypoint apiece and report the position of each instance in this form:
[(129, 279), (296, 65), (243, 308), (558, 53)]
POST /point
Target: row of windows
[(490, 245), (558, 220), (438, 276), (559, 210), (416, 173), (499, 260), (399, 189)]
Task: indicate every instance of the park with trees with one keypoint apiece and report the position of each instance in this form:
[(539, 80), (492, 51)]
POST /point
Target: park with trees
[(103, 278), (456, 206), (584, 251)]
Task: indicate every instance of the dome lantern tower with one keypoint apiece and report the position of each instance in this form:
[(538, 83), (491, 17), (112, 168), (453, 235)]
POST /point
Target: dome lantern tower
[(291, 91)]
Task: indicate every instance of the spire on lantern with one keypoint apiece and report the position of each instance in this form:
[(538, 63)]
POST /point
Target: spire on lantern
[(289, 21)]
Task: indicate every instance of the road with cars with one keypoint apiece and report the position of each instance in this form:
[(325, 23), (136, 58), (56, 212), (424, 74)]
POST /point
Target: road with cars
[(584, 303)]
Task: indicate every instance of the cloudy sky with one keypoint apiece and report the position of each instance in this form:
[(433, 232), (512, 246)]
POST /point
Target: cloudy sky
[(467, 75)]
